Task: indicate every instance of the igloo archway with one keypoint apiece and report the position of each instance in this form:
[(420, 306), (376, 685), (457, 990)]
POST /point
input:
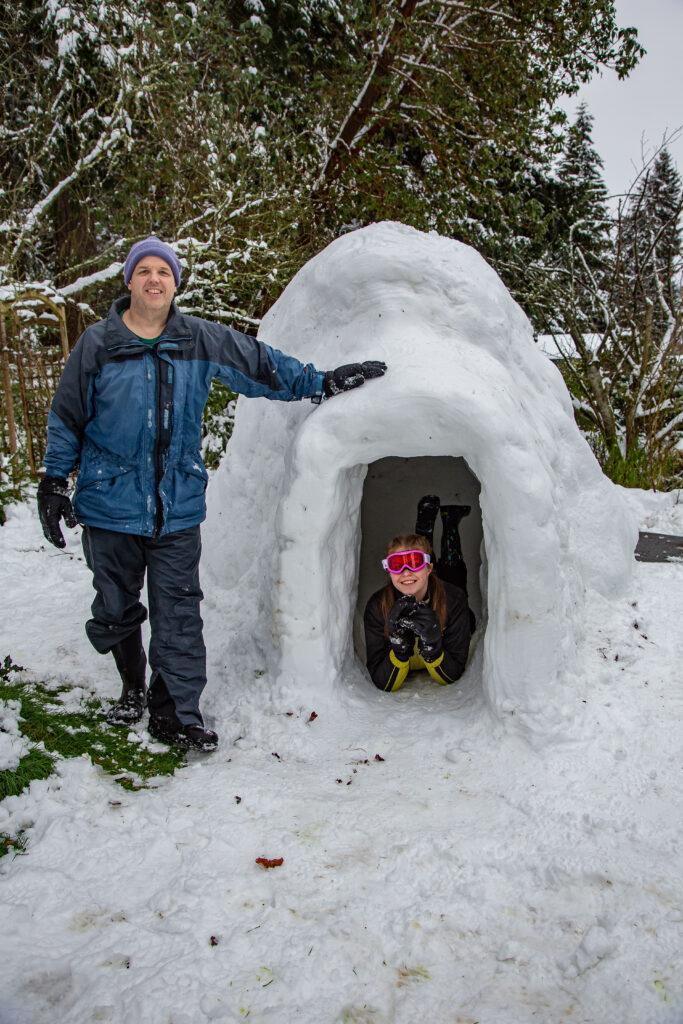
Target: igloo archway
[(465, 381), (391, 491)]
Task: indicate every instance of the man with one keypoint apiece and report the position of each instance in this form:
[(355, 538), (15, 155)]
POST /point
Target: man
[(128, 411)]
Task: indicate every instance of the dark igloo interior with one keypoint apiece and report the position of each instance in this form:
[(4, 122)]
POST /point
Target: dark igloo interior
[(392, 489)]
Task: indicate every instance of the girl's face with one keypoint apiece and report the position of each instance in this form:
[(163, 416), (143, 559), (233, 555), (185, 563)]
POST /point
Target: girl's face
[(413, 582)]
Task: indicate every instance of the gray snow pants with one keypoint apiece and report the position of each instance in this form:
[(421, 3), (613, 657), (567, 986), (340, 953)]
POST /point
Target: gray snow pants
[(177, 655)]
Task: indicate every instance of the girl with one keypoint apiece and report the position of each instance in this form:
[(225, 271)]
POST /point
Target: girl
[(417, 621)]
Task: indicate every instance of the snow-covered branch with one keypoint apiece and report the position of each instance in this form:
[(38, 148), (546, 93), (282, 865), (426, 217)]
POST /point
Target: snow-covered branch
[(670, 427), (106, 141), (366, 99)]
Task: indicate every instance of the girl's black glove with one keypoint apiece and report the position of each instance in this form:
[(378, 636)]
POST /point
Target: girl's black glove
[(53, 505), (427, 629), (346, 378), (401, 634)]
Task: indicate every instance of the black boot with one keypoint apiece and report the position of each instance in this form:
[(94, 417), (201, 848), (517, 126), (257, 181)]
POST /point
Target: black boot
[(129, 655), (183, 737), (451, 565), (451, 548), (165, 726), (427, 510)]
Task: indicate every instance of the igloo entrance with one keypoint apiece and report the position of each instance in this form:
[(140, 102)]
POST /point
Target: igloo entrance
[(391, 491)]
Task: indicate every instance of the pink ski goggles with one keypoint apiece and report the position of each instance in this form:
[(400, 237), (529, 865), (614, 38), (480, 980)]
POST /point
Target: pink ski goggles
[(400, 560)]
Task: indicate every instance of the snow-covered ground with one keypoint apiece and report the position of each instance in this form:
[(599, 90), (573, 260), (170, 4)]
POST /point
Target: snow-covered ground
[(436, 867), (503, 851)]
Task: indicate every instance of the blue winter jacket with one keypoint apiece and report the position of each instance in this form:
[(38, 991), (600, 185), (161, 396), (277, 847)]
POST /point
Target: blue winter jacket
[(130, 416)]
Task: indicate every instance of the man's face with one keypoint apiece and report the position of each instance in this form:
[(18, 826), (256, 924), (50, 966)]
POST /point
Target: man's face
[(151, 286)]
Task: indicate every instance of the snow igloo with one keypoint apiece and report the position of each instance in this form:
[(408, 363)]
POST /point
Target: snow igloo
[(307, 496)]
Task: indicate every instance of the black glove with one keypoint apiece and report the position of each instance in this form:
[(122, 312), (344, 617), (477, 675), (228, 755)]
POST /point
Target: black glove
[(401, 634), (345, 378), (53, 505), (427, 629)]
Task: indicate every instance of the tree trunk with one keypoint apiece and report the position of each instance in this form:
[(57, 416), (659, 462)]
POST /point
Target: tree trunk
[(598, 396), (64, 336), (363, 105), (74, 246)]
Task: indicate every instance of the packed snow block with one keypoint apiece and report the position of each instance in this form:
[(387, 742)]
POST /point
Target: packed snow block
[(465, 382)]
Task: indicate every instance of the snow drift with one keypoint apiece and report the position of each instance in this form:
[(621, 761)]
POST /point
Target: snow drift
[(467, 388)]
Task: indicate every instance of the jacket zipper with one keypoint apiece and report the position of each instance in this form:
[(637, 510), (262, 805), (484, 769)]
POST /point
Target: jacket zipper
[(164, 429), (158, 471)]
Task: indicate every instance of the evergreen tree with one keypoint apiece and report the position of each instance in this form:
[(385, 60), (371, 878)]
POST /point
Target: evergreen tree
[(617, 317), (566, 241), (651, 233), (252, 132), (581, 237), (582, 193), (281, 122), (650, 246), (665, 210)]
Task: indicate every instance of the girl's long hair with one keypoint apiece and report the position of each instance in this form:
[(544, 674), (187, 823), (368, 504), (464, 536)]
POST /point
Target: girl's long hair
[(435, 590)]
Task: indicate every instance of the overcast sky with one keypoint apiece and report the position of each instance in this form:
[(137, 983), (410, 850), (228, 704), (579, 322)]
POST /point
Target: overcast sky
[(632, 116)]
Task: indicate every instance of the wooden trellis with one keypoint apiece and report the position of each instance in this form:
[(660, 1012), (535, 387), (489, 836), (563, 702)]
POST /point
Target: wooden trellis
[(30, 372)]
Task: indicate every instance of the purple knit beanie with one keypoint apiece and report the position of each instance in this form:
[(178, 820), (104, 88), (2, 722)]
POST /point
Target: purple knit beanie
[(151, 246)]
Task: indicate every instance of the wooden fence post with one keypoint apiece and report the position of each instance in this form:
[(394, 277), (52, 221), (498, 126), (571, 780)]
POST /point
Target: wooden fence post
[(35, 370), (63, 336), (7, 385), (28, 431)]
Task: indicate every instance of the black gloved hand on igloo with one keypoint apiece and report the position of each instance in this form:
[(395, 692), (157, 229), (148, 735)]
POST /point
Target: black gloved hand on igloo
[(53, 505), (350, 376)]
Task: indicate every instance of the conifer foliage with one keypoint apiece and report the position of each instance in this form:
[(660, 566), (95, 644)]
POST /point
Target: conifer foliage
[(650, 235), (254, 130), (611, 289), (250, 133), (582, 200)]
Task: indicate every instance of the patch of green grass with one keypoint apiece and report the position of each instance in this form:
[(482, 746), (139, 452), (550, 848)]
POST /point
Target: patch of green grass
[(86, 731), (651, 470), (45, 721), (35, 765)]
